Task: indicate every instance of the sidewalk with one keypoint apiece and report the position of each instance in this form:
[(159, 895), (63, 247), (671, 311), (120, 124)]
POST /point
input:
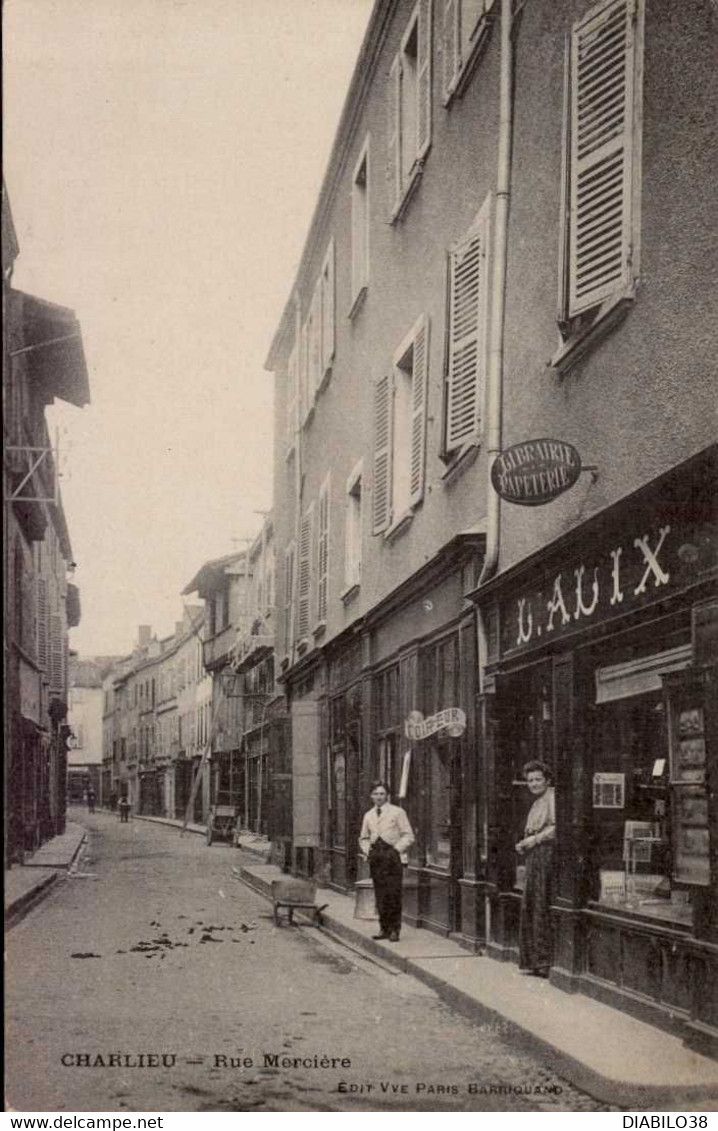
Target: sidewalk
[(26, 884), (605, 1052), (257, 846)]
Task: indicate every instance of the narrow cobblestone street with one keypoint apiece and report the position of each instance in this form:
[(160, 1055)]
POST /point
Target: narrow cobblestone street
[(152, 980)]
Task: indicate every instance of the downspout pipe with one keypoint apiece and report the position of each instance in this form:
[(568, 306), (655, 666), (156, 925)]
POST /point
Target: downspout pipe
[(495, 377)]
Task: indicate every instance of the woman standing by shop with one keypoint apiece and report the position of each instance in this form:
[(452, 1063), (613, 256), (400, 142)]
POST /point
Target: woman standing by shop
[(535, 936)]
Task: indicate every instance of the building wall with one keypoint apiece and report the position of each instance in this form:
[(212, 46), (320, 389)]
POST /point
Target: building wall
[(642, 400), (407, 277), (85, 721)]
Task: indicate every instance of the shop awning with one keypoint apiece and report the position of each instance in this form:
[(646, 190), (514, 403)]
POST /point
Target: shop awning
[(53, 351)]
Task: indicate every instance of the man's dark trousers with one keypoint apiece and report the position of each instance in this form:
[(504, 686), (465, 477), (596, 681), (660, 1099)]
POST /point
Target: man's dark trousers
[(387, 876)]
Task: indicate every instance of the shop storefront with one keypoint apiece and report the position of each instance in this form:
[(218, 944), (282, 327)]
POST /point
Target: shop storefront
[(603, 663), (401, 707)]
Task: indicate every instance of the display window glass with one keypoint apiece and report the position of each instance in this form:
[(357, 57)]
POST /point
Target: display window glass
[(633, 835), (441, 755)]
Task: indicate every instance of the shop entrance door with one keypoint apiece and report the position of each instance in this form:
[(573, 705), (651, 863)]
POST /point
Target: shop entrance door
[(444, 828)]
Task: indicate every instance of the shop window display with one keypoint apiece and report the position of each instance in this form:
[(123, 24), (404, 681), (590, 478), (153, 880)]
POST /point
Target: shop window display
[(441, 754), (633, 834), (438, 845)]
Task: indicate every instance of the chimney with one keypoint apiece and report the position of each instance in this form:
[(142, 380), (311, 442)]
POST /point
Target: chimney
[(144, 635)]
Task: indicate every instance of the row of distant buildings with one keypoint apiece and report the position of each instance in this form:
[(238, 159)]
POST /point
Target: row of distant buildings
[(511, 268), (194, 719), (43, 360)]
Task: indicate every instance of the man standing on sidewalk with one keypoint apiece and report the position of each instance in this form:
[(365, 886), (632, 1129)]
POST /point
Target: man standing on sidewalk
[(385, 836)]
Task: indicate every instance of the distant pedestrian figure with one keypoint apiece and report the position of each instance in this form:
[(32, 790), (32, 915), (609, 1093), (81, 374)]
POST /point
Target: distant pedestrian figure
[(124, 809), (385, 836), (91, 800), (535, 936)]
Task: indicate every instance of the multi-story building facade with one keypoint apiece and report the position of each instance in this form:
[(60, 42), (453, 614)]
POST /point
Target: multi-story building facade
[(266, 786), (509, 245), (85, 720), (157, 713), (223, 584), (43, 359), (379, 471), (194, 705)]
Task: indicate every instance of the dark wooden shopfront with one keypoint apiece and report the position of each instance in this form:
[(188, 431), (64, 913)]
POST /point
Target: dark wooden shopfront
[(367, 708), (604, 664)]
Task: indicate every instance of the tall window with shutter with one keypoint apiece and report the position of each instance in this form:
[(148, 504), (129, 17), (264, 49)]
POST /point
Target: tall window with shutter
[(409, 108), (468, 290), (304, 580), (353, 530), (327, 313), (56, 653), (601, 165), (383, 404), (291, 400), (323, 553), (290, 558), (400, 430), (465, 26), (360, 226), (42, 641)]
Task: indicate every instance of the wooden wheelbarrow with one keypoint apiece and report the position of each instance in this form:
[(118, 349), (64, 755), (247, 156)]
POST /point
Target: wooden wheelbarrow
[(296, 895)]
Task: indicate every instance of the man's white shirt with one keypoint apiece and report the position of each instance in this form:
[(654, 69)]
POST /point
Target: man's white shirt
[(391, 824)]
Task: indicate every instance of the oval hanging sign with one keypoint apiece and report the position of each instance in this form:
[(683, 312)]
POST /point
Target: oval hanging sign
[(535, 472)]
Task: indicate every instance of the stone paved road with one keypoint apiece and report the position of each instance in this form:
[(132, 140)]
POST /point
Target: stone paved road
[(155, 952)]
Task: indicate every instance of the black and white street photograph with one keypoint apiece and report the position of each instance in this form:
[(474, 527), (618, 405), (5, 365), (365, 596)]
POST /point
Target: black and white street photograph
[(360, 559)]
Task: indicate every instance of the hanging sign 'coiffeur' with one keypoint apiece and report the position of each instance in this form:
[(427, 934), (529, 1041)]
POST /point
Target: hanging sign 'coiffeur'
[(452, 719), (535, 472)]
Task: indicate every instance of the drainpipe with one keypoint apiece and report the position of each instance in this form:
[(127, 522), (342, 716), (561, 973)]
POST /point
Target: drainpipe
[(495, 377), (297, 476)]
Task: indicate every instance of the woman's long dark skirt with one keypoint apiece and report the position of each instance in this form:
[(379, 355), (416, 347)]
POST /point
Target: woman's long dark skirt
[(535, 934)]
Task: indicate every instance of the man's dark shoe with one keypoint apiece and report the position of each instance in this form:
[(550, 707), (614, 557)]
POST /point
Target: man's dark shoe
[(394, 936), (381, 936)]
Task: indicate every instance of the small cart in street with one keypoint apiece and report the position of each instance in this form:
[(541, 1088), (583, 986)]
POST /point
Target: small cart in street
[(222, 823), (296, 895)]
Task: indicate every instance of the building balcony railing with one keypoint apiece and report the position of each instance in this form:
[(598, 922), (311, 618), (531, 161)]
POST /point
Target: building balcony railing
[(217, 651), (251, 648)]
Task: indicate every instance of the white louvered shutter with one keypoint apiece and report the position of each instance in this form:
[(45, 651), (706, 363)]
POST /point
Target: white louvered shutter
[(468, 293), (419, 389), (305, 574), (382, 453), (451, 46), (56, 649), (423, 115), (323, 554), (328, 310), (393, 132), (42, 643), (602, 101)]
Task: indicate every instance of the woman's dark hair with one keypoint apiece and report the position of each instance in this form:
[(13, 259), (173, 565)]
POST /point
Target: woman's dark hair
[(379, 785), (536, 767)]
